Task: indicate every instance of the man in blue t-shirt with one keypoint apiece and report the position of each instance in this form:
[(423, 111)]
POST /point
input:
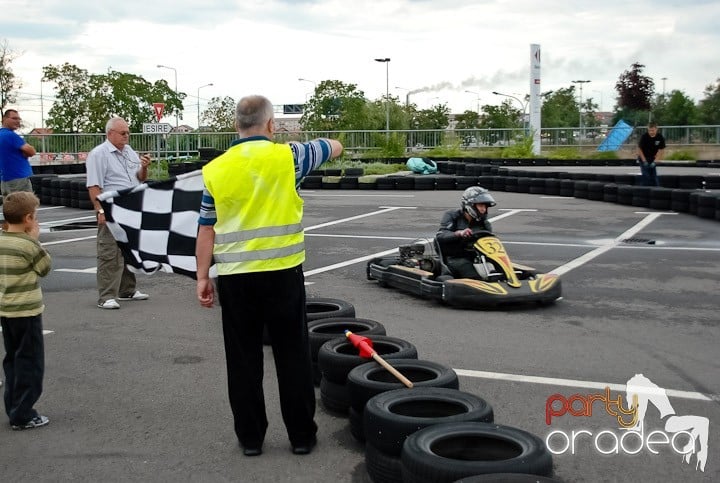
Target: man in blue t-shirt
[(15, 170)]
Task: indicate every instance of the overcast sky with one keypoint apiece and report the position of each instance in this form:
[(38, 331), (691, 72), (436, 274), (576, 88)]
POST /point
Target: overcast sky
[(438, 48)]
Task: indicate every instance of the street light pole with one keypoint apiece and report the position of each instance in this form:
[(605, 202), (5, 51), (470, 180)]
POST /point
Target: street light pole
[(198, 103), (580, 82), (478, 99), (310, 81), (386, 61), (407, 96), (177, 122), (523, 105)]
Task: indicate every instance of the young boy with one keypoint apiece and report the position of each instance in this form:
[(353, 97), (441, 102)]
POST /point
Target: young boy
[(22, 262)]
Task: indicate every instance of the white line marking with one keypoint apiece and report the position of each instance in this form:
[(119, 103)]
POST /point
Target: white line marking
[(45, 332), (66, 220), (50, 208), (386, 252), (379, 212), (78, 270), (583, 259), (69, 240), (363, 236), (552, 381), (349, 262)]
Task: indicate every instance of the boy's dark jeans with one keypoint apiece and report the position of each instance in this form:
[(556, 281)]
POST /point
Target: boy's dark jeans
[(24, 366)]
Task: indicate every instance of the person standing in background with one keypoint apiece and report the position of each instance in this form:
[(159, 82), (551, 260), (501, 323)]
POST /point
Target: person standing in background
[(15, 169), (651, 149), (114, 165)]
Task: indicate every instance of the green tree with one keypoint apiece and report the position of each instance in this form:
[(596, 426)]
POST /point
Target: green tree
[(335, 106), (220, 114), (84, 102), (709, 107), (635, 92), (675, 109), (503, 116), (437, 117), (560, 109), (9, 84), (467, 120)]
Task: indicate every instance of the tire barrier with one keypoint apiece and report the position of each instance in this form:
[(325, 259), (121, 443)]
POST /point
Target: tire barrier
[(448, 452), (321, 308), (338, 357), (323, 330), (53, 188)]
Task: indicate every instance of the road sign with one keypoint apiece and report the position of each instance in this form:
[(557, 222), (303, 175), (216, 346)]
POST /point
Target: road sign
[(159, 107), (156, 128)]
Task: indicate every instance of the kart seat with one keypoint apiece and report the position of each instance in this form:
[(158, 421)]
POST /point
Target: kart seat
[(444, 270)]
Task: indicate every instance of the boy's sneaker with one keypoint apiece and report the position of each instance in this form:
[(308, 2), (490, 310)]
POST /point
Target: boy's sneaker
[(138, 295), (109, 304), (35, 422)]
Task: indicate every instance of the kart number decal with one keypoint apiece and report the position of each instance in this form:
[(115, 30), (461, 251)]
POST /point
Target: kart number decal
[(493, 248)]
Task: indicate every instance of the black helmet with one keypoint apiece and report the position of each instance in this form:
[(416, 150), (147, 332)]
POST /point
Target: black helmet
[(474, 195)]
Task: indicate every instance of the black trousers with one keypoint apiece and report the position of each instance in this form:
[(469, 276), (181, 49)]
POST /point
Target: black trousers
[(462, 267), (277, 300), (24, 366)]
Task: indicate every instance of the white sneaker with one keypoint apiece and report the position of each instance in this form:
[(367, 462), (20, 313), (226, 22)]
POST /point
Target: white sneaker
[(109, 304), (35, 422), (138, 295)]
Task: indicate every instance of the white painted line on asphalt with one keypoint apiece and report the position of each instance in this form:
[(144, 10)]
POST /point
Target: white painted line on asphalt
[(349, 262), (66, 220), (386, 252), (50, 208), (78, 270), (45, 332), (552, 381), (373, 213), (363, 236), (583, 259), (69, 240)]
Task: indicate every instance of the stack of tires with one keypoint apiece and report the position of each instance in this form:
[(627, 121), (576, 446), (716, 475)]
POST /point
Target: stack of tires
[(432, 432)]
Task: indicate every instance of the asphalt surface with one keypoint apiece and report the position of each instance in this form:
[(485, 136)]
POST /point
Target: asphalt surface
[(139, 394)]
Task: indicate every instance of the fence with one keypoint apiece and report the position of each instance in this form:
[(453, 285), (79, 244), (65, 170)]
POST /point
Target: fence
[(73, 148)]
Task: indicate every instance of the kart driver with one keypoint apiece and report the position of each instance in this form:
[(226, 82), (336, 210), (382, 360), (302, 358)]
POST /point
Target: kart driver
[(456, 230)]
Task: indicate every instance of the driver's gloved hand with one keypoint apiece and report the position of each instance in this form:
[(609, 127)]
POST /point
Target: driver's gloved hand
[(467, 232)]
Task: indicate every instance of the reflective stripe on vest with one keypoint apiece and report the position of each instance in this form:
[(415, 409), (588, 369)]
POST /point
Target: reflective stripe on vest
[(258, 209)]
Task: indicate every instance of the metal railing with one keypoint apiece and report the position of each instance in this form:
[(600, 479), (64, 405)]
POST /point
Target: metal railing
[(73, 148)]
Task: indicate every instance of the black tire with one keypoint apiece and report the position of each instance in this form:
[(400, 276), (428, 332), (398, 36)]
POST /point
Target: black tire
[(320, 308), (448, 452), (357, 429), (367, 380), (323, 330), (334, 397), (324, 308), (382, 467), (337, 357), (390, 417)]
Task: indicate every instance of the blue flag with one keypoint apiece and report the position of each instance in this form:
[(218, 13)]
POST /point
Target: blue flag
[(616, 137)]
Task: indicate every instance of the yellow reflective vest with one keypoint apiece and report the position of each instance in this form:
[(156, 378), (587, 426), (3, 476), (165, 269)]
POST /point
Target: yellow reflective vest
[(259, 212)]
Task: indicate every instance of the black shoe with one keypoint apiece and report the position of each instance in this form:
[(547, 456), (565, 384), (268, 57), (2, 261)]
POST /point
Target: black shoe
[(252, 451), (304, 448)]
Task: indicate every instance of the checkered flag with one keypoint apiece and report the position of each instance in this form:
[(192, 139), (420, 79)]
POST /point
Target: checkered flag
[(155, 223)]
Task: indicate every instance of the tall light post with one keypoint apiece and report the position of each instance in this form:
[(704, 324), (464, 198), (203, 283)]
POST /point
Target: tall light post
[(386, 61), (580, 82), (177, 122), (198, 104), (663, 79), (478, 99), (310, 81), (523, 105), (407, 96)]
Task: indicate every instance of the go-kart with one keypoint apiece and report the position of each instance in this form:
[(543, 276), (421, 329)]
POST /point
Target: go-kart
[(421, 270)]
